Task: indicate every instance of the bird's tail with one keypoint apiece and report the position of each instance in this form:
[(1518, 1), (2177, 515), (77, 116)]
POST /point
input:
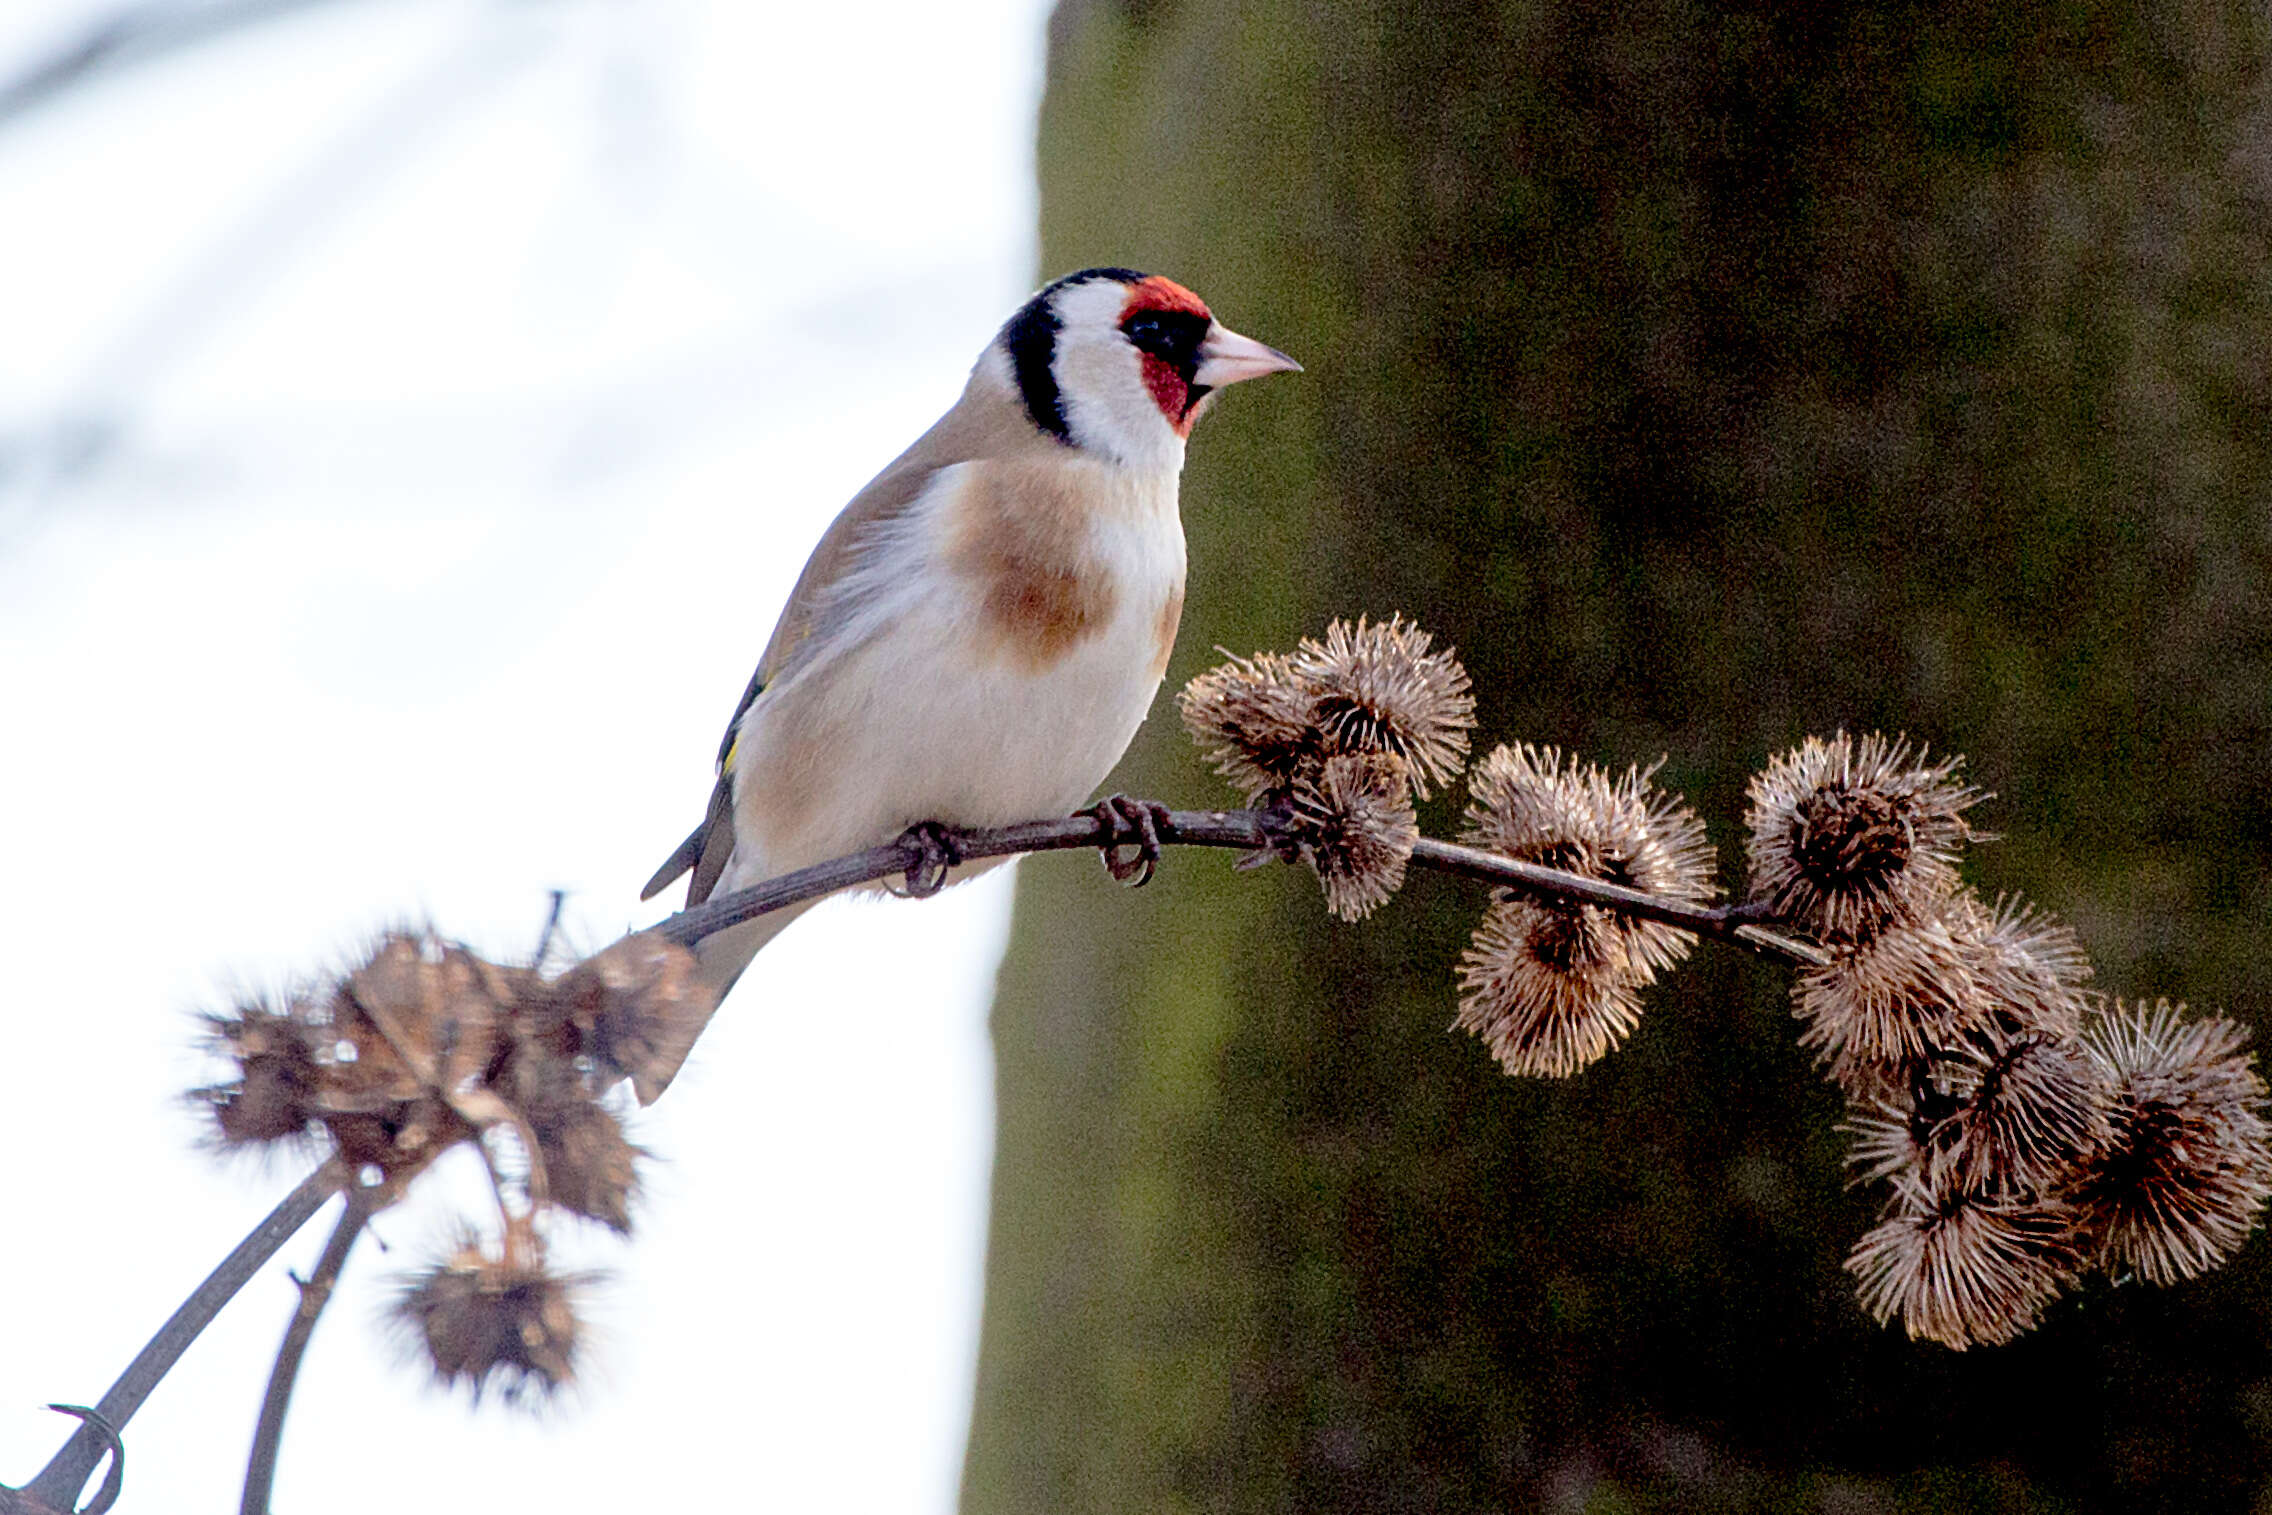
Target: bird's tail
[(721, 959)]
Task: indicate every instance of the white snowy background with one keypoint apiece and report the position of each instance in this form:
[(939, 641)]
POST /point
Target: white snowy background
[(412, 413)]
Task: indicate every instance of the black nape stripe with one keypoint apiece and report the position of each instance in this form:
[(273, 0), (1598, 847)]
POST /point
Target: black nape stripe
[(1031, 338)]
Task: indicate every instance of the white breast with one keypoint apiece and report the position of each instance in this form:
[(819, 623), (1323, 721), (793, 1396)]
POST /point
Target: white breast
[(910, 717)]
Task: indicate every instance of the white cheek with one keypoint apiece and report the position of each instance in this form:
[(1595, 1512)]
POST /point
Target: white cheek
[(1108, 408)]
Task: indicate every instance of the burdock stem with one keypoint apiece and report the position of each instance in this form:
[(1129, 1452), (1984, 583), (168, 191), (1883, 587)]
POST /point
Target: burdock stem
[(59, 1483), (1246, 830), (315, 1293)]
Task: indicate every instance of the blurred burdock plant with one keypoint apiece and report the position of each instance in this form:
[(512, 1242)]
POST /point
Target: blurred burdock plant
[(422, 1048), (2027, 1132), (492, 1314)]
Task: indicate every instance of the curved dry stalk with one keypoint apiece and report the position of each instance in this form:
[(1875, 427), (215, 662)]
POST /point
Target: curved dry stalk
[(59, 1483), (1254, 831), (315, 1293), (15, 1502)]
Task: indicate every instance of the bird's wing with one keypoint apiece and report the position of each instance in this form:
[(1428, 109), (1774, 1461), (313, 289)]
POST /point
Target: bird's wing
[(824, 611)]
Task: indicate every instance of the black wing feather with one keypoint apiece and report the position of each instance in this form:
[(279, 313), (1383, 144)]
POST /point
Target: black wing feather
[(708, 845)]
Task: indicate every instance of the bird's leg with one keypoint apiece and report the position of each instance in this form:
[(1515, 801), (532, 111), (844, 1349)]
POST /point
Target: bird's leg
[(1147, 818), (935, 853)]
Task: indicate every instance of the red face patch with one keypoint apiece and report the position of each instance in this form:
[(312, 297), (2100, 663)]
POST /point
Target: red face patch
[(1170, 393), (1168, 384), (1160, 293)]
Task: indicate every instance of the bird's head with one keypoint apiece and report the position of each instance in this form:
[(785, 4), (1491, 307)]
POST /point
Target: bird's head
[(1121, 363)]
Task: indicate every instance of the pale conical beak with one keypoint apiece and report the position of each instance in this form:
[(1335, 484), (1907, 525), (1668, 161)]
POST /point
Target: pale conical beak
[(1225, 357)]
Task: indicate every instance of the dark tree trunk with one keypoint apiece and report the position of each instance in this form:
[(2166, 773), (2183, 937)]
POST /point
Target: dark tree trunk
[(1709, 376)]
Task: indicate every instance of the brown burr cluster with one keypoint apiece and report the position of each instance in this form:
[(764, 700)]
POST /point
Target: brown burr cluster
[(1337, 741), (1552, 986), (2026, 1129), (424, 1047)]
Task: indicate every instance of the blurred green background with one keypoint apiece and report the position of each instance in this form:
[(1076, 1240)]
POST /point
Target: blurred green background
[(1708, 376)]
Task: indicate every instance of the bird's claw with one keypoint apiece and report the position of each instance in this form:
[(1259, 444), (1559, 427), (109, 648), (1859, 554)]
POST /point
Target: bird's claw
[(1147, 818), (935, 854)]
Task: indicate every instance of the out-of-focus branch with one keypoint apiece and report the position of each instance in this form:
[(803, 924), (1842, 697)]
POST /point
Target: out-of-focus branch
[(133, 34), (59, 1483), (1254, 831), (315, 1293)]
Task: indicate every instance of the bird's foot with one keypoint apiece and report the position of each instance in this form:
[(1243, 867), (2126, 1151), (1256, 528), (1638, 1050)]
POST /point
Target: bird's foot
[(1147, 818), (934, 852)]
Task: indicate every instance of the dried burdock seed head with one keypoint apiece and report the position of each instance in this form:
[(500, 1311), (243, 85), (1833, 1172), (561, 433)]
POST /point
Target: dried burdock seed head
[(1968, 980), (1268, 722), (1255, 719), (1960, 1268), (1352, 820), (1653, 842), (1552, 987), (1548, 990), (1884, 1005), (2186, 1169), (2031, 1110), (590, 1167), (422, 1015), (635, 1009), (1528, 803), (274, 1097), (2031, 968), (1847, 837), (1533, 804), (398, 1137), (1377, 688), (1891, 1140), (495, 1319)]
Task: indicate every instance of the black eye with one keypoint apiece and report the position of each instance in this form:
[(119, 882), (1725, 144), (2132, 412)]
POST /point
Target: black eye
[(1172, 336)]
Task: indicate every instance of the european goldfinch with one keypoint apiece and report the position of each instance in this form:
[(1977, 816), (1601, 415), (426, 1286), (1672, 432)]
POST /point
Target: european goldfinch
[(980, 632)]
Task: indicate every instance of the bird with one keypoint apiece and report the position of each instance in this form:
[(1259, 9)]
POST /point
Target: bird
[(980, 632)]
